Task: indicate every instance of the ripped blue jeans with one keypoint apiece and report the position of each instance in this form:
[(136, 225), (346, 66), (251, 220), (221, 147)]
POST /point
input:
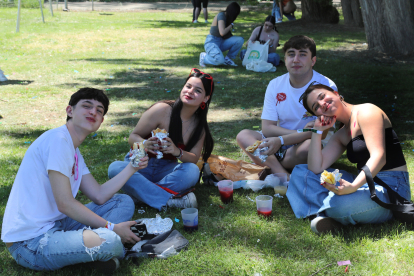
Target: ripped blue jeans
[(63, 244)]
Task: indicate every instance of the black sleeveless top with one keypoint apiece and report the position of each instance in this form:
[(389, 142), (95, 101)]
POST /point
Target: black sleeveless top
[(357, 151)]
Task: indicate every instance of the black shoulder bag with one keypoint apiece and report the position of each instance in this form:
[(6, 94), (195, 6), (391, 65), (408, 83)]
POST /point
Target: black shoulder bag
[(402, 209)]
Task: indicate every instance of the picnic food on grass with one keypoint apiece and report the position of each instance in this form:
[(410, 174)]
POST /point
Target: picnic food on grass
[(253, 147), (158, 130), (330, 177)]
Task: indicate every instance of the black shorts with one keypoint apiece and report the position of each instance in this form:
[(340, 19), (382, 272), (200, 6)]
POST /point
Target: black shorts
[(198, 3)]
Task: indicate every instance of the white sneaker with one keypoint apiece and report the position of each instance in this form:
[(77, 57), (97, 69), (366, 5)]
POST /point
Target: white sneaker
[(2, 76), (201, 60), (195, 21), (206, 21), (187, 201), (321, 225), (229, 62)]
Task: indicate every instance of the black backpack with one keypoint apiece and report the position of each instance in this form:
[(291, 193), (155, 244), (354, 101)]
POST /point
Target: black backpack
[(402, 209)]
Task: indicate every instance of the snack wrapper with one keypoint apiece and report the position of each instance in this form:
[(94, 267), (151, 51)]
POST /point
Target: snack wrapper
[(136, 153), (156, 225), (258, 152), (160, 136), (331, 177)]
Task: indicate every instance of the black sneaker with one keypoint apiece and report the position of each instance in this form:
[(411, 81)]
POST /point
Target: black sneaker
[(106, 268)]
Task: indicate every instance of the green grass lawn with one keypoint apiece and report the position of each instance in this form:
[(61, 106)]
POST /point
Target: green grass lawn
[(143, 57)]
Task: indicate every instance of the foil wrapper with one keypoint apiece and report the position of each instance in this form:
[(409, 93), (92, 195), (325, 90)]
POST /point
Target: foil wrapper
[(136, 154), (258, 152), (157, 225), (330, 177), (160, 137)]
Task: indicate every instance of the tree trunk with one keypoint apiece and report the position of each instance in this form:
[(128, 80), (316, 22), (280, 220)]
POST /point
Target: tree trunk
[(320, 11), (389, 25), (351, 10)]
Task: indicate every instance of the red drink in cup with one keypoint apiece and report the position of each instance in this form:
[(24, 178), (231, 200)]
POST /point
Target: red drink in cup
[(265, 213), (226, 196), (226, 191), (264, 205)]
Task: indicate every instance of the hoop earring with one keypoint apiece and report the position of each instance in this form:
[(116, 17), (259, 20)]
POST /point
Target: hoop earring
[(341, 98), (203, 105)]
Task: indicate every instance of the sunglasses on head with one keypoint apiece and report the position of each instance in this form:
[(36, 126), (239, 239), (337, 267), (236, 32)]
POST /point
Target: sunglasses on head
[(207, 76)]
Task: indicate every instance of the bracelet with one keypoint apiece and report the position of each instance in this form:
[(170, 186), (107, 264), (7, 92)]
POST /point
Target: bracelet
[(143, 142), (181, 154), (310, 129), (109, 226), (281, 141)]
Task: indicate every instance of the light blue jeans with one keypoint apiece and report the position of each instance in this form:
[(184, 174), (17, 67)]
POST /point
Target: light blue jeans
[(215, 46), (63, 244), (166, 173), (307, 197), (272, 58)]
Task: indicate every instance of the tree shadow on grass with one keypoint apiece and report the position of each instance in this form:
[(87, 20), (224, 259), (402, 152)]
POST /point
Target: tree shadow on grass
[(14, 82)]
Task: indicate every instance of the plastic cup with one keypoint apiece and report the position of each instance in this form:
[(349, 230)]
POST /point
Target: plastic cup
[(264, 205), (190, 219), (282, 177), (226, 191)]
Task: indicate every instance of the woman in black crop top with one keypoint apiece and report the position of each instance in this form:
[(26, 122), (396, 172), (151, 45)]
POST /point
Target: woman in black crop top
[(368, 137), (189, 138)]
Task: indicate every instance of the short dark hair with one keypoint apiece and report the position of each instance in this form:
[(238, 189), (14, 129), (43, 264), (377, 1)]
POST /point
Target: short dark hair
[(300, 42), (304, 97), (88, 93)]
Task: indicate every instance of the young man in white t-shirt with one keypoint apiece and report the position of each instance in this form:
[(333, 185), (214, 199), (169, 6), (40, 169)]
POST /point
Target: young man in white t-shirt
[(283, 114), (44, 226)]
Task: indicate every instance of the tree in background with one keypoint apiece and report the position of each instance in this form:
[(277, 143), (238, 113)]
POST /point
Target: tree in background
[(319, 11), (351, 9), (389, 25)]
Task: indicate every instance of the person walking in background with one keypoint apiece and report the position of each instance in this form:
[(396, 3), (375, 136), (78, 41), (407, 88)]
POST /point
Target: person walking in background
[(197, 5), (262, 34), (221, 39)]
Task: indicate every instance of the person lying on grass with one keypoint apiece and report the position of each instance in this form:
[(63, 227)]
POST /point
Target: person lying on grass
[(369, 139), (189, 136), (44, 226)]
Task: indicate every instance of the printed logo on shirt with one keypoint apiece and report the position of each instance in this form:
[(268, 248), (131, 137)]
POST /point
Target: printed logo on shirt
[(307, 115), (280, 97), (73, 169)]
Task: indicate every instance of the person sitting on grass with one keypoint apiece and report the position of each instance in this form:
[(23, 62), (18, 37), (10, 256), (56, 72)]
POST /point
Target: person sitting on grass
[(221, 39), (282, 113), (44, 226), (189, 136), (369, 139), (263, 34), (284, 7)]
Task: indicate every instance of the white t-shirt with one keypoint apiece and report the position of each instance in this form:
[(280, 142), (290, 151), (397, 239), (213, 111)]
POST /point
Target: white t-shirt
[(31, 209), (282, 101)]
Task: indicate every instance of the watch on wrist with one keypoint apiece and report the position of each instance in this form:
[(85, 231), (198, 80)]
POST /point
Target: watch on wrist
[(281, 141)]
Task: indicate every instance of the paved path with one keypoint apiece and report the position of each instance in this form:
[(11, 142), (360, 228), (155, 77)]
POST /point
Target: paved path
[(163, 6)]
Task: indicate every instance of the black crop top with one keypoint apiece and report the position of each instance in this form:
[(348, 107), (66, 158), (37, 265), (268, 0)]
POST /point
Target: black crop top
[(357, 151)]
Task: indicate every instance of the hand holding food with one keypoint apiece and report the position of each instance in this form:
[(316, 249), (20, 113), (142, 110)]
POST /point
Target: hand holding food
[(161, 134), (330, 177), (137, 152), (256, 151)]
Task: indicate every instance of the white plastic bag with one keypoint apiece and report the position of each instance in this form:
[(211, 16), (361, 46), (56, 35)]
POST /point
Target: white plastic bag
[(260, 66), (255, 52)]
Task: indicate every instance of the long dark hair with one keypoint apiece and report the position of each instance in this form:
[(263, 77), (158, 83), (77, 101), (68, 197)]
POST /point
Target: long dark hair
[(232, 11), (272, 20), (175, 129)]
